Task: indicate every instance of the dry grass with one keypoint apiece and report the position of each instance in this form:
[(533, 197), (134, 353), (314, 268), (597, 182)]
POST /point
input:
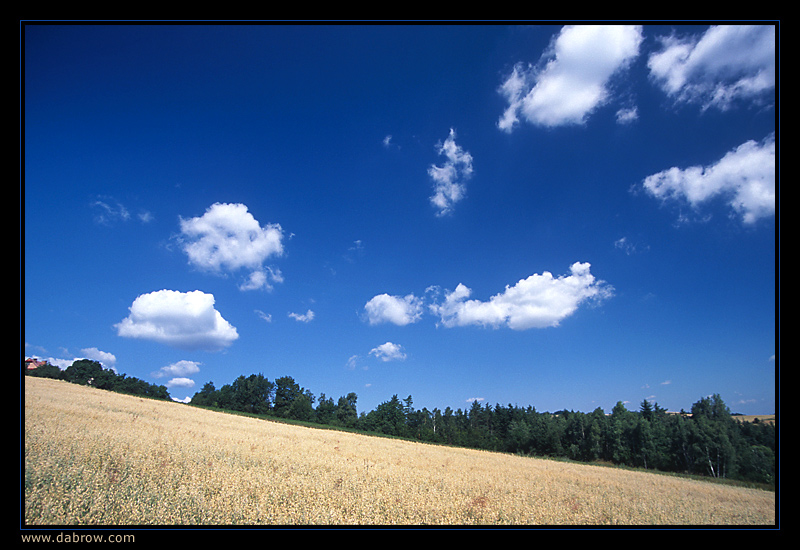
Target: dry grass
[(99, 458)]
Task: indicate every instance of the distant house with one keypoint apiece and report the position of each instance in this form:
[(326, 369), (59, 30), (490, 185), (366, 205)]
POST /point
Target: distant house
[(32, 363)]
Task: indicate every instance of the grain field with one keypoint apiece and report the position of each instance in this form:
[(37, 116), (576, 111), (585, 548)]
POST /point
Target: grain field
[(98, 458)]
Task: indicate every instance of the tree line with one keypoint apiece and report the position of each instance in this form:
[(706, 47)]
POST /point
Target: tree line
[(706, 441), (91, 373)]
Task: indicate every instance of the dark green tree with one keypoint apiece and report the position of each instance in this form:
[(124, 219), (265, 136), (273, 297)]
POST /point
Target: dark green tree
[(518, 437), (207, 396), (575, 431), (595, 444), (90, 373), (326, 410), (447, 429), (682, 434), (346, 412), (388, 417), (620, 435), (302, 408), (715, 437), (286, 392), (422, 424), (252, 394)]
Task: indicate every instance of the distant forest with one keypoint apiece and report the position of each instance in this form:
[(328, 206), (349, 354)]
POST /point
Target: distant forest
[(706, 441)]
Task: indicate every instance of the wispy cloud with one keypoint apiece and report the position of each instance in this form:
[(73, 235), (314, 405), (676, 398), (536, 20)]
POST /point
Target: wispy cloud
[(629, 247), (108, 210), (627, 115), (263, 316), (449, 179), (306, 317)]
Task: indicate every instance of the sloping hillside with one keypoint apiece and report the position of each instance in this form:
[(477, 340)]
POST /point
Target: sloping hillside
[(94, 457)]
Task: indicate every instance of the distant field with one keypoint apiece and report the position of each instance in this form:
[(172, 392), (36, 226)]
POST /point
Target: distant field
[(752, 417), (99, 458)]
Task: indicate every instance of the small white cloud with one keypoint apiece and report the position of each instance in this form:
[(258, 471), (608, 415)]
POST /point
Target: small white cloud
[(185, 320), (449, 179), (179, 368), (108, 360), (627, 115), (536, 302), (745, 176), (389, 352), (725, 64), (306, 317), (228, 238), (180, 383), (571, 78), (384, 308), (262, 278)]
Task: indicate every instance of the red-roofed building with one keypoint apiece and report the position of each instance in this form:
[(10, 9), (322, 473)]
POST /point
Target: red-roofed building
[(31, 363)]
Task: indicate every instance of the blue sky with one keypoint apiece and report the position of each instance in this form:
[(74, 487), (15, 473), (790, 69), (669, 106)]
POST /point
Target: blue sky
[(562, 217)]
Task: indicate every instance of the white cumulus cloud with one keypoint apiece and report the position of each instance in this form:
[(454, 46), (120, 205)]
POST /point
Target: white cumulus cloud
[(228, 238), (449, 179), (726, 63), (399, 310), (572, 77), (745, 176), (185, 320), (388, 352), (538, 301)]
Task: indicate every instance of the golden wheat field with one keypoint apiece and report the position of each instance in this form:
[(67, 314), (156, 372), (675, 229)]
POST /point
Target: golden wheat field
[(99, 458)]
